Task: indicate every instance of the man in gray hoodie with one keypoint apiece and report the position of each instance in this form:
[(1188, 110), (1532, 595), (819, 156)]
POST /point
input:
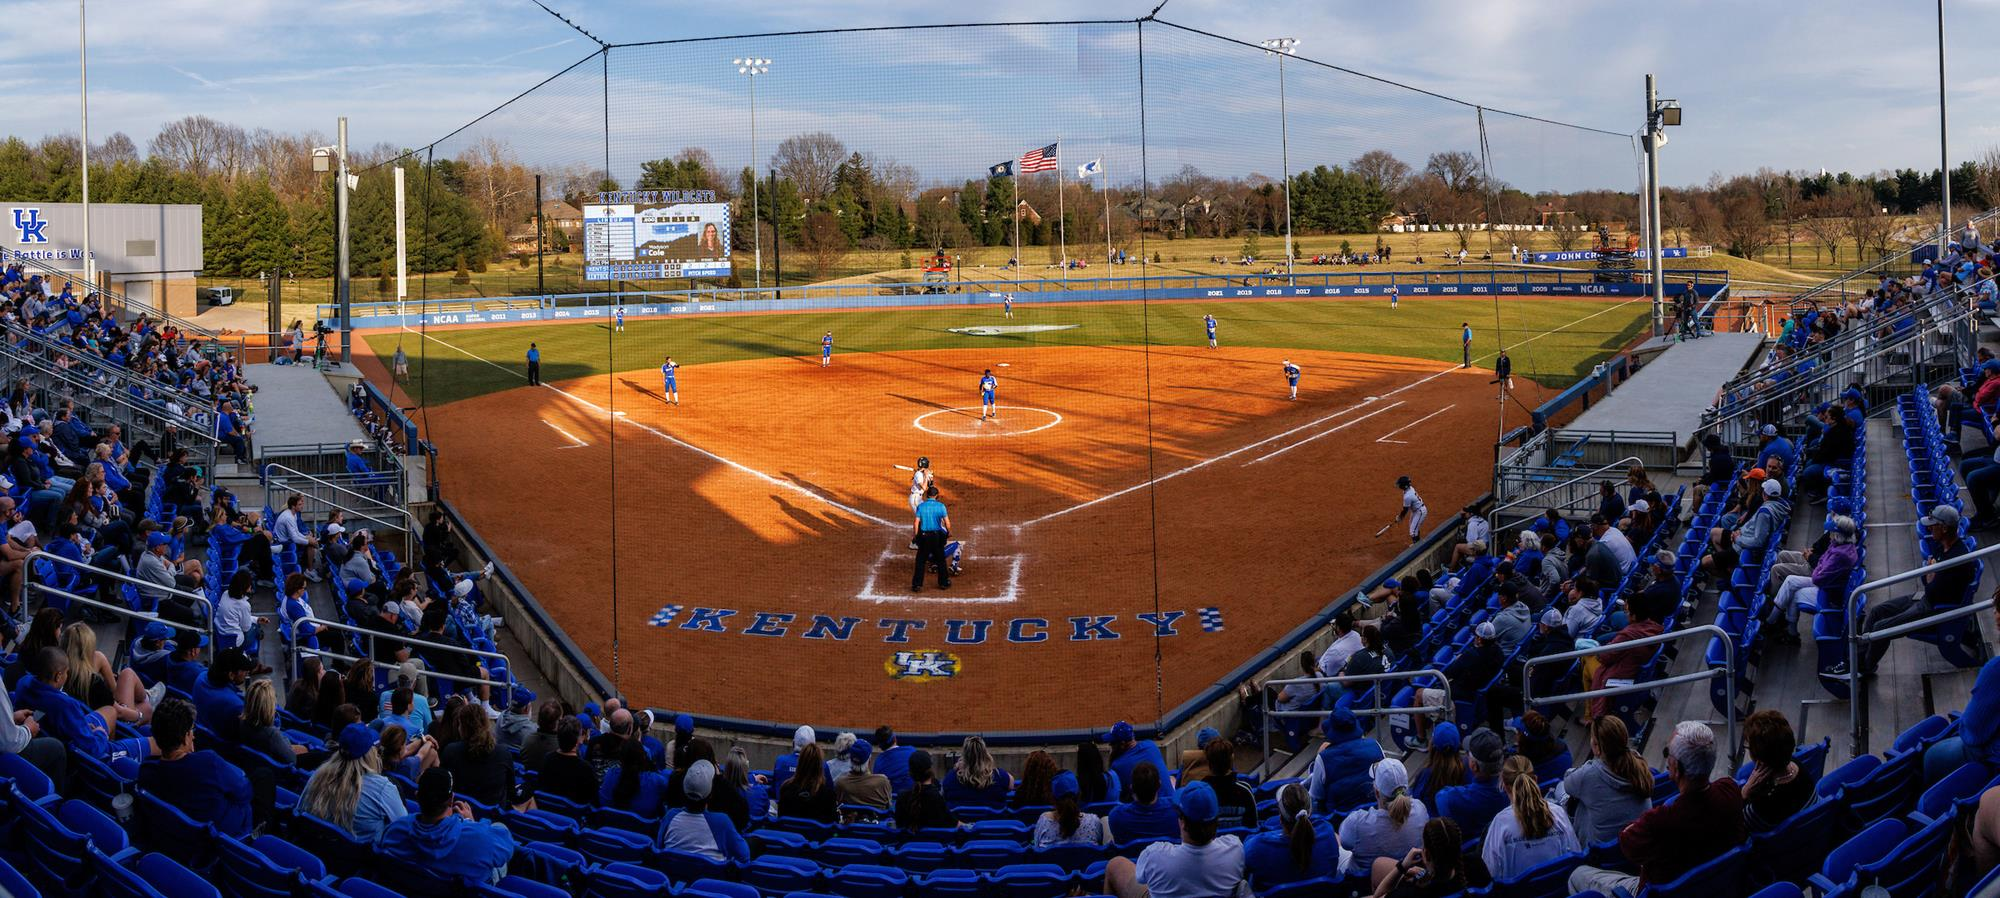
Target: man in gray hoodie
[(1767, 523)]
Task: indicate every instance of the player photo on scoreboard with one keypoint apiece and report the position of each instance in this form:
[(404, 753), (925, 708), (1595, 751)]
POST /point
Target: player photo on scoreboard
[(685, 233)]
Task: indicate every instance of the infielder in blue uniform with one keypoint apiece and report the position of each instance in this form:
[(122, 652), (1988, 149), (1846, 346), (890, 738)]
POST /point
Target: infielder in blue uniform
[(826, 350), (1465, 342), (987, 386), (618, 319), (1292, 377), (1208, 321), (670, 387), (1007, 304)]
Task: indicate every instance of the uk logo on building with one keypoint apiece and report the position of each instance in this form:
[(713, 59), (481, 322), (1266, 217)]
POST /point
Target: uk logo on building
[(28, 220)]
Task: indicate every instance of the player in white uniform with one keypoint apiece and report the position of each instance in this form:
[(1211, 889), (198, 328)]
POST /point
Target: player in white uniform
[(1413, 508), (920, 480)]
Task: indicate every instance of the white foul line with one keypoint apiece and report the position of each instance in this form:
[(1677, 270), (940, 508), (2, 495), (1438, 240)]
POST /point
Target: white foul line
[(782, 484), (1385, 437), (1327, 432), (574, 442)]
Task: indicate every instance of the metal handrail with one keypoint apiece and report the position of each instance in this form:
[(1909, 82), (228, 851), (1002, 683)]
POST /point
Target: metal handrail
[(188, 423), (1858, 697), (283, 471), (1627, 460), (131, 633), (1859, 333), (1890, 258), (1728, 670), (124, 377), (95, 571), (322, 623), (123, 303), (1377, 711)]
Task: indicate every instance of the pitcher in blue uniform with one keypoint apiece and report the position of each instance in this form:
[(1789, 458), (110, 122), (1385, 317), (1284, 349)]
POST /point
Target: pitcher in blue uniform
[(826, 350), (670, 386), (987, 385)]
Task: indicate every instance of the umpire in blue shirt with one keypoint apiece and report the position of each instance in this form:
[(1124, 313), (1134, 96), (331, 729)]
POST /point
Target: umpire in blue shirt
[(933, 526)]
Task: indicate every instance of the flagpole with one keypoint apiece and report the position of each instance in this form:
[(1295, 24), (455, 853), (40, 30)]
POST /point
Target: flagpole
[(1014, 179), (1103, 186), (1062, 227)]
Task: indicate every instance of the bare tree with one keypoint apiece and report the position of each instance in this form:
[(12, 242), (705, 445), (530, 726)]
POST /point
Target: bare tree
[(1458, 169), (1382, 170), (1745, 226), (809, 162), (115, 149), (1986, 174), (500, 186), (1825, 218), (1869, 227), (824, 243), (200, 146)]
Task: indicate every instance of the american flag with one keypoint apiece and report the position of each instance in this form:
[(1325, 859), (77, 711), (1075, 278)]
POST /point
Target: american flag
[(1043, 159)]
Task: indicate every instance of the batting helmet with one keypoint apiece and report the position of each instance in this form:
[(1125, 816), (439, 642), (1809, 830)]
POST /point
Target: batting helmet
[(1403, 483), (924, 461)]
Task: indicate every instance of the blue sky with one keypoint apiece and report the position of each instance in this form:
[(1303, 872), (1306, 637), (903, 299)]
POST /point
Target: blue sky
[(1841, 84)]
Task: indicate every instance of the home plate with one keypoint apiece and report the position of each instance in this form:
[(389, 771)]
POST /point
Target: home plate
[(895, 564)]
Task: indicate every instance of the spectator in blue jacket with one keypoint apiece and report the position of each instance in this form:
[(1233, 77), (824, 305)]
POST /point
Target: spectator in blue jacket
[(218, 697), (697, 830), (443, 838), (975, 779), (1128, 752), (1339, 779), (86, 731), (1473, 805), (781, 769), (892, 760), (1302, 847), (634, 785), (200, 784), (1148, 815)]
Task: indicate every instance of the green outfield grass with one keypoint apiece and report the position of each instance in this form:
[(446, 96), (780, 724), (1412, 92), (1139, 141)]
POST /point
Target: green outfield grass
[(1574, 335)]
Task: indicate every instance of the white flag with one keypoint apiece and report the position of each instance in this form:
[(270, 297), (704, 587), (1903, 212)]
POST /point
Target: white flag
[(1090, 168)]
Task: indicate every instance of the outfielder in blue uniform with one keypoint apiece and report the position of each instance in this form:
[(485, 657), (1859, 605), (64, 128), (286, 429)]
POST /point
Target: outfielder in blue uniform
[(670, 387), (1208, 321), (1007, 304), (1292, 377), (826, 350), (618, 319), (987, 386), (1392, 296)]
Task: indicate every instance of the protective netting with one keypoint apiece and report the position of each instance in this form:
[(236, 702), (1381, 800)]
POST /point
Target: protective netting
[(1139, 517)]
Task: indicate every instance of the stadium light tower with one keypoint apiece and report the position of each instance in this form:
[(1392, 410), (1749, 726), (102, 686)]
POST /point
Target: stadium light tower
[(335, 158), (1282, 47), (83, 104), (751, 67), (1660, 114)]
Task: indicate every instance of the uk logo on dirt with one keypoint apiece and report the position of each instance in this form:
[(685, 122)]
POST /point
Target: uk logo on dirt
[(922, 666)]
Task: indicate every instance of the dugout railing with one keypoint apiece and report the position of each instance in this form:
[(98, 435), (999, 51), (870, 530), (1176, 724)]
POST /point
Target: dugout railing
[(1568, 494), (1727, 671), (1852, 341), (141, 421), (1858, 639), (295, 654), (386, 484), (1376, 709), (120, 305), (1838, 286)]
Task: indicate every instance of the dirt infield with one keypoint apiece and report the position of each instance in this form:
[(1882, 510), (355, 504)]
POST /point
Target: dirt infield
[(1136, 523)]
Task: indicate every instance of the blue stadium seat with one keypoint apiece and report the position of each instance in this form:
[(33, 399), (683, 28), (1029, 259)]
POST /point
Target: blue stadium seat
[(1911, 868), (841, 851), (685, 867), (1032, 880), (950, 883), (1074, 858), (867, 881), (541, 826), (626, 881), (357, 887), (343, 854), (1884, 791), (614, 846), (1780, 890), (13, 883), (33, 784), (991, 854), (521, 887), (164, 828), (1546, 878), (62, 845), (921, 857), (550, 863), (268, 868), (172, 880), (1722, 876), (613, 818), (1836, 874), (777, 874), (717, 888), (1936, 801), (776, 841), (1304, 888), (1792, 850)]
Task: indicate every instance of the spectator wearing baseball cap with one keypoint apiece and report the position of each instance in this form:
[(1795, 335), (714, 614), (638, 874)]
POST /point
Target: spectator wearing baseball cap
[(348, 790), (1067, 823), (1128, 752), (1339, 778), (200, 784), (859, 786), (218, 697), (1194, 761), (1473, 805), (1444, 766), (1149, 815), (1775, 445), (697, 830), (1472, 668), (1390, 828), (1767, 523), (1942, 589), (1201, 865), (443, 838), (1302, 847), (781, 769), (923, 806)]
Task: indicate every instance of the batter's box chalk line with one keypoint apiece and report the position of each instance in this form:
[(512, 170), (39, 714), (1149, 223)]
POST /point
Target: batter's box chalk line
[(886, 565)]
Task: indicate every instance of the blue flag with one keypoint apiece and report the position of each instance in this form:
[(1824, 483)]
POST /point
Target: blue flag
[(1003, 170)]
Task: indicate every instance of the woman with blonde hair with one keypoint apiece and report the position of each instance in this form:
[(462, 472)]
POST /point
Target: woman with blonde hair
[(258, 726), (1531, 831), (837, 764), (975, 779), (1612, 788), (92, 682), (349, 790), (1394, 825)]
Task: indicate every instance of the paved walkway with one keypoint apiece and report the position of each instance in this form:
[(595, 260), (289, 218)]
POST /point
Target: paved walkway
[(297, 405)]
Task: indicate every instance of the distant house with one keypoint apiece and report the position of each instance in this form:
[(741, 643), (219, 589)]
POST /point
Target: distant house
[(562, 216), (1155, 215)]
